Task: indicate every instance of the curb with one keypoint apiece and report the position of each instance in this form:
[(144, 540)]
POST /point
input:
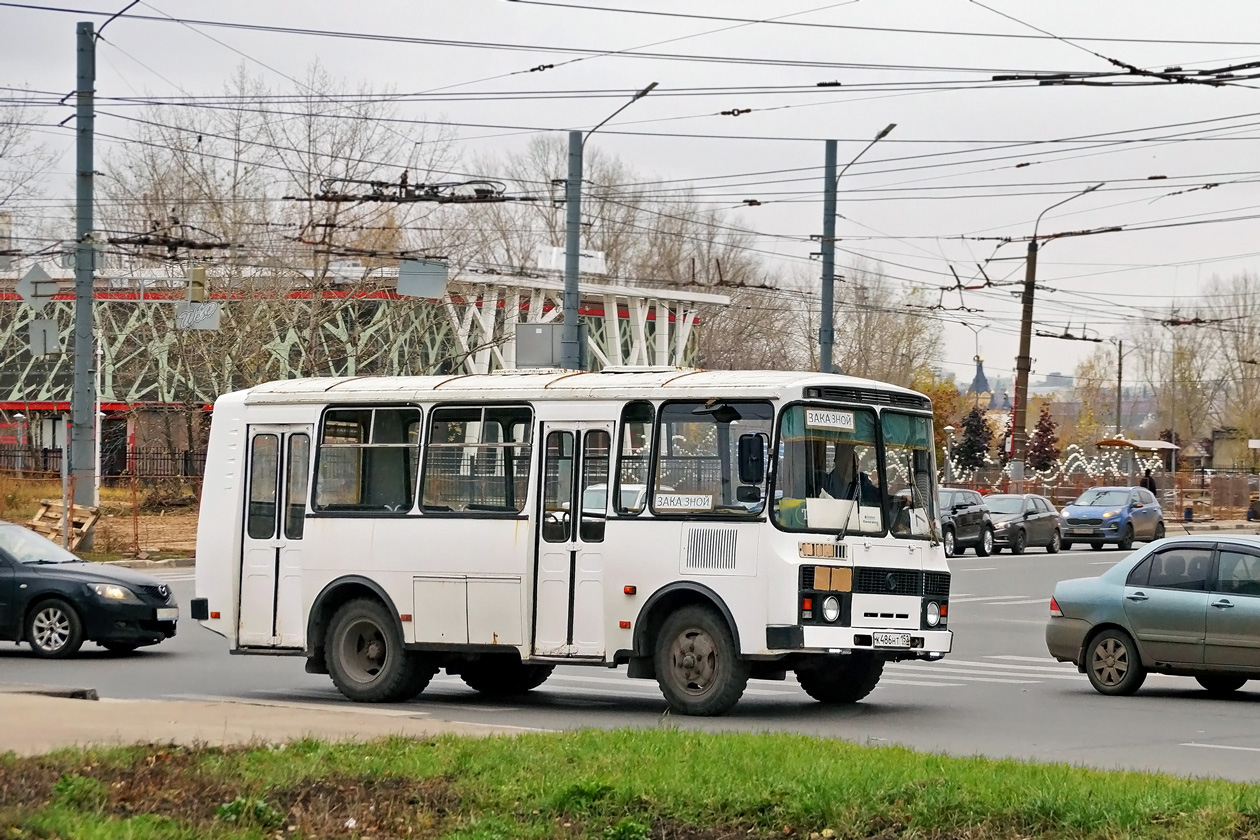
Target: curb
[(173, 563), (51, 691)]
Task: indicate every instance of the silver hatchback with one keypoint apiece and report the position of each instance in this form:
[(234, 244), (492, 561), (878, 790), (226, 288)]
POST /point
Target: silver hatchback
[(1186, 606)]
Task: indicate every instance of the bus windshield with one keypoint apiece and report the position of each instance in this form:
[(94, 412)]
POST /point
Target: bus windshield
[(828, 471)]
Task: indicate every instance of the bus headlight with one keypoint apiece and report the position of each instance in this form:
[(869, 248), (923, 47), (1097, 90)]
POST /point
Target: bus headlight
[(831, 608), (933, 613)]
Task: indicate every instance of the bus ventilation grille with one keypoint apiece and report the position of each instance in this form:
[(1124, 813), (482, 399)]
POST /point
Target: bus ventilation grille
[(711, 549)]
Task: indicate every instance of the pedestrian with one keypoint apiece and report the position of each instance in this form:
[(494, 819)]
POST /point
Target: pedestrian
[(1147, 482)]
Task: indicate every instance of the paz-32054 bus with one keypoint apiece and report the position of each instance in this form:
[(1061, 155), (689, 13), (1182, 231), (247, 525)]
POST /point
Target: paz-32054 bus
[(701, 527)]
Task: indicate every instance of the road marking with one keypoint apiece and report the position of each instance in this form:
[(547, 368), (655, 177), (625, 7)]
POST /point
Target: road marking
[(925, 684), (1220, 747), (1020, 658), (981, 569), (1048, 666), (965, 600), (1105, 563), (1045, 600)]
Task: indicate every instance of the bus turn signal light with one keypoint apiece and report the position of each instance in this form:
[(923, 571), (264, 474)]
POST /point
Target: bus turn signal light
[(807, 603), (624, 625), (629, 590), (214, 615)]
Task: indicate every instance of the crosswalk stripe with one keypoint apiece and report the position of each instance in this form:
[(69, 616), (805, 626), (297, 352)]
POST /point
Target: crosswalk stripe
[(1013, 658), (1045, 600), (955, 674), (1048, 666), (966, 600)]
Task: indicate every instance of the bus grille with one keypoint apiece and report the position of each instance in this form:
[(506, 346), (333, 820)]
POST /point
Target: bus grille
[(888, 581), (936, 583), (709, 549)]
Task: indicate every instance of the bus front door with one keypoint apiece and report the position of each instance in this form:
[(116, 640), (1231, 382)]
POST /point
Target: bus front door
[(270, 613), (572, 511)]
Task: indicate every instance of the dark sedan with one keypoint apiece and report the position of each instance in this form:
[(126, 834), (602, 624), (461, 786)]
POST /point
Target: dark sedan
[(54, 601), (1020, 521)]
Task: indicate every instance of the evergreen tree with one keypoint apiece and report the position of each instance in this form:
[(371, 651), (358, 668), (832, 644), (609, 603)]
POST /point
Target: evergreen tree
[(977, 437), (1043, 449)]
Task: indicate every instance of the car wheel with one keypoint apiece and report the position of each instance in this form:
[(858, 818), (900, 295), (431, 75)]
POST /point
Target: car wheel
[(1066, 546), (1096, 546), (366, 657), (1113, 664), (948, 540), (841, 679), (1126, 539), (1159, 531), (985, 546), (1056, 540), (1019, 542), (697, 664), (54, 630), (1220, 684)]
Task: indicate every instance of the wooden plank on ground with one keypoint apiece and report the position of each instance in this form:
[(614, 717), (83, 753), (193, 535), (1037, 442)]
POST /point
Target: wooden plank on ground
[(49, 521)]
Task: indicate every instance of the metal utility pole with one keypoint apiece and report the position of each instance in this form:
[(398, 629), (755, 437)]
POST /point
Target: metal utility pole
[(82, 444), (571, 337), (1119, 381), (1023, 362), (571, 350), (831, 180), (826, 327)]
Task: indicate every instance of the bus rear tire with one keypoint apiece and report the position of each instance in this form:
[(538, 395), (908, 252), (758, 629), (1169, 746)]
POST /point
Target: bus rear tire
[(698, 666), (367, 659), (842, 679), (502, 677)]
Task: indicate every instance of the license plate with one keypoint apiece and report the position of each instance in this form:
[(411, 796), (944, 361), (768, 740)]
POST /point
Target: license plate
[(893, 640), (167, 613), (1080, 530)]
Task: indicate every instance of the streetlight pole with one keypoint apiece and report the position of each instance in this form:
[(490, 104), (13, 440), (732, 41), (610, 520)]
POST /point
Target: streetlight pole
[(571, 339), (826, 324), (949, 454), (1023, 362)]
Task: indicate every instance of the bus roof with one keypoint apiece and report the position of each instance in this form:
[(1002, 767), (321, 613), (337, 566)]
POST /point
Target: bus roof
[(618, 383)]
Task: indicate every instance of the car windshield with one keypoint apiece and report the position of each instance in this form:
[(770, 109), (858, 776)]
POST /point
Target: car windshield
[(1004, 504), (1103, 496), (29, 547)]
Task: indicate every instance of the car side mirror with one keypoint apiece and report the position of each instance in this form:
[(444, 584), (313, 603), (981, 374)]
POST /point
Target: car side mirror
[(1136, 505), (748, 493), (752, 459)]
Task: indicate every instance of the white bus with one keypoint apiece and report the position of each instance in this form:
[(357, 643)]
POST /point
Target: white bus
[(759, 522)]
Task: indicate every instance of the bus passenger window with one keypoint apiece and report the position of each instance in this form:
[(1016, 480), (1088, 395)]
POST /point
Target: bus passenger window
[(697, 459), (632, 462), (595, 457), (368, 460), (263, 468), (478, 460)]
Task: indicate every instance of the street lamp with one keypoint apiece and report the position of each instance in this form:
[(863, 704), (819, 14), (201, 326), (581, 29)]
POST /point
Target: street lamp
[(1023, 362), (826, 328), (949, 454), (571, 340)]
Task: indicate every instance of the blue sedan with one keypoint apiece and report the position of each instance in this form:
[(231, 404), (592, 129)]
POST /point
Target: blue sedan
[(1116, 515), (1186, 606)]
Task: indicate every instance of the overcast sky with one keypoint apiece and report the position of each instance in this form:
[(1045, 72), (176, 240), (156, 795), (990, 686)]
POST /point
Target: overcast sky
[(969, 157)]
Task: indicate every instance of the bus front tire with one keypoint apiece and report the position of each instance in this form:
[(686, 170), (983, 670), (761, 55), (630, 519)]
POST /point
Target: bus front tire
[(697, 664), (841, 679), (501, 677), (367, 659)]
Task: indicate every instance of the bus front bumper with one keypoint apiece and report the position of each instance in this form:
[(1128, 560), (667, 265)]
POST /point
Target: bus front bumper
[(911, 643)]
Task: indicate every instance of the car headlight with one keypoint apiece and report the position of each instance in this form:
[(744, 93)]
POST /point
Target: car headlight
[(1001, 526), (933, 614), (1107, 514), (114, 592), (831, 608)]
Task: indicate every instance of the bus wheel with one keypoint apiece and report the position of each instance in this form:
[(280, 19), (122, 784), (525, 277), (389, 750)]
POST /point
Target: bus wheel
[(366, 657), (502, 676), (841, 679), (697, 665)]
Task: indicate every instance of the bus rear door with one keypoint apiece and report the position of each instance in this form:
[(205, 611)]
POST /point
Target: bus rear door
[(271, 559), (572, 512)]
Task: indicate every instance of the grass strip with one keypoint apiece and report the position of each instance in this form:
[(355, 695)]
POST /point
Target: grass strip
[(620, 785)]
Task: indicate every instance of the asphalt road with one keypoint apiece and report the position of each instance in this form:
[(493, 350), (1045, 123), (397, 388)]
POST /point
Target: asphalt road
[(997, 695)]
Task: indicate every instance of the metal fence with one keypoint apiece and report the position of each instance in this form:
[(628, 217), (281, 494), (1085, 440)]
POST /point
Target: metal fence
[(142, 463)]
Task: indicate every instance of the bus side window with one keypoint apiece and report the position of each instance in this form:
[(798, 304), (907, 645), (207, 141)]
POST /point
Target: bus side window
[(368, 460), (478, 459), (633, 458)]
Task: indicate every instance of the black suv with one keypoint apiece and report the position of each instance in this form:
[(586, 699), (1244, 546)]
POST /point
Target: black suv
[(965, 522)]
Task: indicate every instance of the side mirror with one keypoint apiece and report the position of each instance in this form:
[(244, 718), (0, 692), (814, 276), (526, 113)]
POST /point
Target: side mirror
[(748, 493), (1136, 505), (752, 459)]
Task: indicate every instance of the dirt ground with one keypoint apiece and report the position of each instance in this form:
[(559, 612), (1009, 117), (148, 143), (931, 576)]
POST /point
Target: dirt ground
[(165, 533)]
